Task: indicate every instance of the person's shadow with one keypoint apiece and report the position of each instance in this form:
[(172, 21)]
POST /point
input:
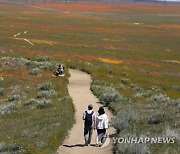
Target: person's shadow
[(77, 145), (83, 145)]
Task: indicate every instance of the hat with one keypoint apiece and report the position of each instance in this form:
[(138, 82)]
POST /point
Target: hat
[(101, 110), (90, 106)]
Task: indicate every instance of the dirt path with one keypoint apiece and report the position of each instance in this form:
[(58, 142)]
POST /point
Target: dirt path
[(79, 89)]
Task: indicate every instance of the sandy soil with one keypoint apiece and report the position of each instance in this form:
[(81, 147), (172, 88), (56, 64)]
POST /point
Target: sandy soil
[(79, 89)]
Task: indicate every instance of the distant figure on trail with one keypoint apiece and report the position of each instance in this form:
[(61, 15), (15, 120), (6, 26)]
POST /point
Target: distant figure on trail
[(60, 71), (89, 118), (102, 124)]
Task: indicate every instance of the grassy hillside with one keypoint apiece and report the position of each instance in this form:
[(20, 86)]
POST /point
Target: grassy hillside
[(131, 51), (35, 108)]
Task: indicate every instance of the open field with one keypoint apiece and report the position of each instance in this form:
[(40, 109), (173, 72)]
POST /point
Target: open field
[(32, 103), (131, 49)]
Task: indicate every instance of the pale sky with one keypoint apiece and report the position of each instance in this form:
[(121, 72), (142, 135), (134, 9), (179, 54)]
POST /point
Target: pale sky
[(170, 0)]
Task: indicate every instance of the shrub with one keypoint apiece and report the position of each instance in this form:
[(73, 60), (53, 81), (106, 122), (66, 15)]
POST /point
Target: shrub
[(172, 133), (16, 89), (64, 99), (119, 86), (97, 82), (43, 104), (14, 97), (158, 118), (176, 88), (136, 87), (122, 120), (45, 86), (56, 125), (125, 74), (155, 89), (6, 109), (41, 144), (133, 148), (1, 91), (29, 134), (126, 100), (138, 94), (22, 61), (33, 64), (109, 94), (148, 93), (48, 66), (159, 98), (97, 85), (40, 58), (173, 102), (9, 148), (125, 81), (46, 94), (9, 60), (31, 102), (13, 61), (94, 87), (114, 106), (35, 71)]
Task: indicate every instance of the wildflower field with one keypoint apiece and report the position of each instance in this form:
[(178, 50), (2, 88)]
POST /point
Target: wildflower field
[(130, 49)]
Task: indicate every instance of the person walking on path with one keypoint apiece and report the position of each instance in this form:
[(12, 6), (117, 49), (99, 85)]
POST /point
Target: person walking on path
[(102, 124), (89, 118)]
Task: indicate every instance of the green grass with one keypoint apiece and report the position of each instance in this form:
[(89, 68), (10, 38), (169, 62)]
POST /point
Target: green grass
[(28, 124)]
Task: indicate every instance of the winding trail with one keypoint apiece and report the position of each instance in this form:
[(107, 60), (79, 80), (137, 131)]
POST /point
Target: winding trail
[(79, 89)]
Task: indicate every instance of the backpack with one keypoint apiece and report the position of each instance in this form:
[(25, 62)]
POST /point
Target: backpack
[(88, 119)]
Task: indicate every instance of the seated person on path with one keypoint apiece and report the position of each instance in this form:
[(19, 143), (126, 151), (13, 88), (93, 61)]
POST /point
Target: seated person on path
[(60, 70), (102, 124), (89, 118)]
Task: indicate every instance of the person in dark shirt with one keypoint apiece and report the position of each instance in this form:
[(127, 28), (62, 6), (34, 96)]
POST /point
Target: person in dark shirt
[(89, 118), (60, 71)]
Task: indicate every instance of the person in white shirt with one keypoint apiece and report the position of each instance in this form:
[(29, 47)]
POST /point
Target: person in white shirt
[(102, 124), (89, 118)]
